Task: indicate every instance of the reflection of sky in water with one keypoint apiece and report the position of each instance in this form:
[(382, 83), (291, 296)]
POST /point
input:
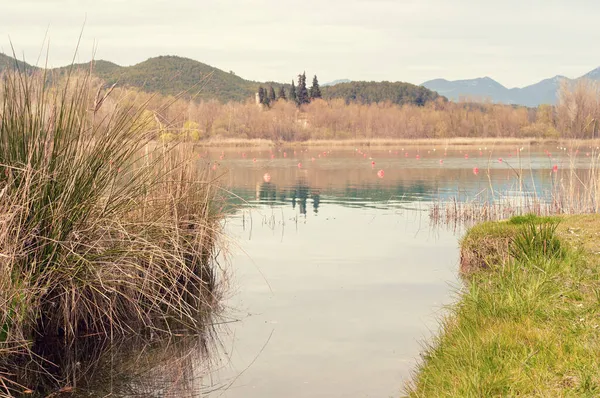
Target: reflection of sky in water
[(334, 305), (339, 276)]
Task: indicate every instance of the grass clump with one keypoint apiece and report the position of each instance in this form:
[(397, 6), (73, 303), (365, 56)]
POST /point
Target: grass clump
[(491, 243), (527, 326), (99, 233)]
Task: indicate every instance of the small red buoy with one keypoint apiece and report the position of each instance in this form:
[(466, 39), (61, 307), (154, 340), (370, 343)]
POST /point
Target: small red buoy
[(418, 157), (406, 155), (555, 168), (313, 159), (244, 154), (475, 170), (254, 160), (267, 177), (380, 174), (441, 161), (500, 160), (285, 154), (466, 156), (299, 165), (373, 163)]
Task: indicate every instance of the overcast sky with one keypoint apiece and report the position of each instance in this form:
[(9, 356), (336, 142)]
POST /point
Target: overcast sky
[(516, 42)]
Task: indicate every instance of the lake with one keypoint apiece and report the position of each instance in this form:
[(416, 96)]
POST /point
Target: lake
[(337, 277)]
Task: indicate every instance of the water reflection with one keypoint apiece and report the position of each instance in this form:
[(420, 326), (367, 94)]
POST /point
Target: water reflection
[(132, 367), (299, 194)]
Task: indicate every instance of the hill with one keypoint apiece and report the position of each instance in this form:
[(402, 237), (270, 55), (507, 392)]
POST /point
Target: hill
[(542, 92), (369, 92), (172, 75), (338, 81), (167, 75)]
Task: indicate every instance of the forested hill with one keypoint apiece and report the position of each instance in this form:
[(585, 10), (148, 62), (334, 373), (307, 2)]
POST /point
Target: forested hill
[(368, 92), (167, 75), (172, 75)]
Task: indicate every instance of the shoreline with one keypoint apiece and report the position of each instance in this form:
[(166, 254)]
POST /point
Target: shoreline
[(525, 319), (383, 142)]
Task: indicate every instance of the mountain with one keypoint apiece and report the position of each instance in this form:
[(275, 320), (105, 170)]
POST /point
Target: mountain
[(543, 92), (333, 83), (167, 75), (369, 92), (172, 75)]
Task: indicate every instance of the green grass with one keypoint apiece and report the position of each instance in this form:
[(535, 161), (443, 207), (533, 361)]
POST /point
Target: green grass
[(527, 325)]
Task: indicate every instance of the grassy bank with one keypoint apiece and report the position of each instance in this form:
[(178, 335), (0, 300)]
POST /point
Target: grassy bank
[(101, 234), (527, 320)]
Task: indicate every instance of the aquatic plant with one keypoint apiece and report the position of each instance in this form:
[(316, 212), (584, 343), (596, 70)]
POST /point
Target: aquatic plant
[(102, 232)]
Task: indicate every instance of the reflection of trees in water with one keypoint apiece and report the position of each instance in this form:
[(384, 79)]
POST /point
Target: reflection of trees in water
[(299, 194)]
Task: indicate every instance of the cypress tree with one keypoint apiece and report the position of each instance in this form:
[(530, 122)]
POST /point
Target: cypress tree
[(302, 91), (293, 96), (272, 94), (261, 95), (315, 90), (281, 94), (267, 101)]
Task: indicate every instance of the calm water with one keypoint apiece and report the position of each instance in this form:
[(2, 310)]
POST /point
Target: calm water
[(337, 277)]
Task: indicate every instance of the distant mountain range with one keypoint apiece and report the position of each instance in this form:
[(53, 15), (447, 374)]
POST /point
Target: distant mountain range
[(543, 92), (333, 83), (172, 75)]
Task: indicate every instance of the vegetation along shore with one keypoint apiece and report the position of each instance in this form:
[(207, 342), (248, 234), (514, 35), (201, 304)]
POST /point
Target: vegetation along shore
[(526, 319), (101, 234)]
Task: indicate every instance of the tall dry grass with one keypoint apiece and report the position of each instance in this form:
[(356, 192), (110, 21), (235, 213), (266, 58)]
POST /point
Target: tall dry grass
[(575, 189), (101, 232)]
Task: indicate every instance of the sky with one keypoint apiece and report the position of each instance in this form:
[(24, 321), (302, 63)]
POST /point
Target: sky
[(516, 42)]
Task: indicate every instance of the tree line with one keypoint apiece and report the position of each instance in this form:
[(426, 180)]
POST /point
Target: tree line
[(298, 94)]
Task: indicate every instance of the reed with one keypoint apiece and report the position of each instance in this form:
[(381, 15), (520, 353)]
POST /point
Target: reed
[(574, 190), (101, 231)]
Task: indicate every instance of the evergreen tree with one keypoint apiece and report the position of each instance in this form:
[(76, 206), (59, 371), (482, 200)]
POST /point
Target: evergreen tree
[(267, 100), (281, 94), (302, 91), (272, 94), (261, 95), (293, 96), (315, 90)]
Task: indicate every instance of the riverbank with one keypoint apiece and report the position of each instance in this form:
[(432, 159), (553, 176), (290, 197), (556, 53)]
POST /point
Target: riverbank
[(382, 142), (100, 234), (527, 319)]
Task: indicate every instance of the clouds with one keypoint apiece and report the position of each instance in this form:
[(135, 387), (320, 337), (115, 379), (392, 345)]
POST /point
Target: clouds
[(516, 42)]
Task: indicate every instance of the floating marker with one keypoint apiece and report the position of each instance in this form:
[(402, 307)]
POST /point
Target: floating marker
[(267, 177)]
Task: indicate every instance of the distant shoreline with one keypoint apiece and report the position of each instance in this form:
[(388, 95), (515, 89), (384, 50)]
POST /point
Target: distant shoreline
[(382, 142)]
